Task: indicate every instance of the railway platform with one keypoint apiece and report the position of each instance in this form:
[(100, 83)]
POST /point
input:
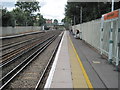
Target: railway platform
[(77, 65)]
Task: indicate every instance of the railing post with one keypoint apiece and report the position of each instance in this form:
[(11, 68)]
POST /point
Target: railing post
[(111, 38), (101, 34), (118, 43)]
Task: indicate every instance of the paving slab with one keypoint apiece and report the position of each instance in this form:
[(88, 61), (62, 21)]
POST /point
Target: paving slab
[(68, 72), (62, 75), (102, 74), (78, 78)]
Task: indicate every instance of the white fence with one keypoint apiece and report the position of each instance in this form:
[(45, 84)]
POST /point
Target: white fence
[(91, 32), (17, 30)]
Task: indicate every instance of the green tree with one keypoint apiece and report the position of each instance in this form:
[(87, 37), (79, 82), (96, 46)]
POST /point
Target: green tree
[(66, 20), (7, 18), (90, 10), (28, 8), (41, 20), (55, 22), (20, 17)]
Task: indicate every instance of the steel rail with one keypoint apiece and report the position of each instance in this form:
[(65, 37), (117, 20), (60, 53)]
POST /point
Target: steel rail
[(20, 35), (48, 64), (15, 44), (3, 64), (23, 64), (12, 52), (17, 51)]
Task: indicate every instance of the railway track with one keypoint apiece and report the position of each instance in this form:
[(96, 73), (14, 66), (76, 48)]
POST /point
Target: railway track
[(12, 39), (10, 47), (12, 53), (7, 78), (23, 54), (44, 74), (20, 55)]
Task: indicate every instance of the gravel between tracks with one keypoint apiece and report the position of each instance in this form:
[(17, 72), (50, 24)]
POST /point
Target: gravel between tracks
[(29, 77), (21, 58), (23, 44)]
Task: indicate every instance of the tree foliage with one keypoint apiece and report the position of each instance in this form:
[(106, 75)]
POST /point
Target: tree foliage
[(28, 7), (90, 10), (55, 21), (41, 20), (19, 16), (23, 14), (7, 18)]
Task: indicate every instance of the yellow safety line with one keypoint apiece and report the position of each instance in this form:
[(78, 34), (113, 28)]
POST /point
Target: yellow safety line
[(82, 67)]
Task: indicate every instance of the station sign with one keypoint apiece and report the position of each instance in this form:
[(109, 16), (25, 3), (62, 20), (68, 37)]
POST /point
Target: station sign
[(111, 15)]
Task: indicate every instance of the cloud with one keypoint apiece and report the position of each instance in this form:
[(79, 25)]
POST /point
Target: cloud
[(8, 5), (53, 9), (42, 3)]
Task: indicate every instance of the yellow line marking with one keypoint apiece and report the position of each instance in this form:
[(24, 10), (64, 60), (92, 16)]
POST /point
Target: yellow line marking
[(82, 67), (78, 78)]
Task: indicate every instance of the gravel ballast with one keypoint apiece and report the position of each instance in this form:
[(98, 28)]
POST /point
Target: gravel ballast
[(30, 76)]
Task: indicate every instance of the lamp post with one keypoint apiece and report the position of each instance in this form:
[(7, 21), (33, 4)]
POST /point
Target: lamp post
[(80, 21), (74, 24), (74, 19), (112, 5), (81, 15)]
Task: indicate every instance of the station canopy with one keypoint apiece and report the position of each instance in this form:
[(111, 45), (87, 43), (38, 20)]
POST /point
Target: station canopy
[(27, 0), (92, 0)]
